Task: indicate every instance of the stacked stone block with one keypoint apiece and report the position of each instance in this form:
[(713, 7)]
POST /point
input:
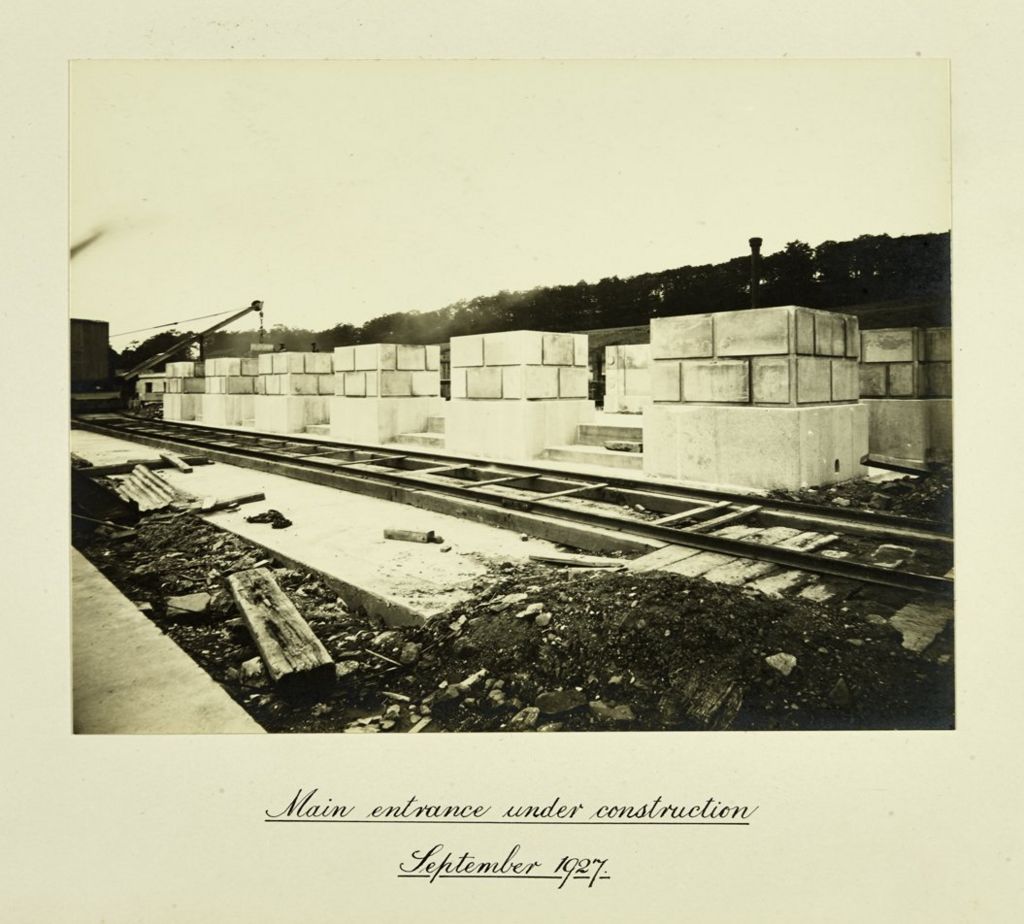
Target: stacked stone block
[(627, 378), (906, 382), (516, 393), (384, 389), (759, 398), (292, 391), (906, 362), (516, 365), (230, 389), (786, 356), (183, 391)]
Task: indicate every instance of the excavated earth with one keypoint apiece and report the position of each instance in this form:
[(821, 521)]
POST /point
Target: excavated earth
[(545, 649)]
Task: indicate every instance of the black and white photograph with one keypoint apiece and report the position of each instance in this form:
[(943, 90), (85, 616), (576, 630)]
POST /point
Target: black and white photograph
[(416, 397)]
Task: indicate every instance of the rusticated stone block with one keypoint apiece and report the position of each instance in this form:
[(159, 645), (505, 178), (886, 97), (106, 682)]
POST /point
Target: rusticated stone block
[(684, 337), (716, 381)]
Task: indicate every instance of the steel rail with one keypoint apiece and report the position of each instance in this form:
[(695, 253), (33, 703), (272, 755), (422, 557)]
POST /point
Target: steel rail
[(348, 477)]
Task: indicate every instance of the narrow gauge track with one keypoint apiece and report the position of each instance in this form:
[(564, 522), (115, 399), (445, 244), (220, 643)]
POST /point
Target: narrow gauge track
[(671, 514)]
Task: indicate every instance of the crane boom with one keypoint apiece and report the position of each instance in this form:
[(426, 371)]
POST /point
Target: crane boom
[(191, 338)]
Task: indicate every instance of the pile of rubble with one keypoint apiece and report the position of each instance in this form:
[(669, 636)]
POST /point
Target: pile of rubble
[(545, 649), (928, 497)]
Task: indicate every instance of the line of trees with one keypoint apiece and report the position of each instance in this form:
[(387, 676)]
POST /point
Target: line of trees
[(869, 268)]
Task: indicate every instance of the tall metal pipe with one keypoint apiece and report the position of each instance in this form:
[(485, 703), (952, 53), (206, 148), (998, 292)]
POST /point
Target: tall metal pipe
[(755, 269)]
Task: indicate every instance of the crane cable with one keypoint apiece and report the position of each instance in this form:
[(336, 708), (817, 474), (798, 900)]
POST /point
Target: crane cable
[(200, 317)]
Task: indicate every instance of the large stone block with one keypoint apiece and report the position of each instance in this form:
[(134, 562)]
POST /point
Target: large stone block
[(272, 384), (902, 380), (325, 384), (354, 385), (890, 345), (771, 379), (289, 362), (514, 347), (852, 337), (666, 381), (426, 384), (918, 430), (289, 413), (755, 447), (467, 351), (250, 366), (457, 383), (829, 334), (433, 357), (752, 332), (512, 429), (395, 384), (581, 348), (483, 382), (318, 363), (936, 380), (193, 385), (845, 380), (706, 380), (803, 322), (937, 344), (512, 381), (296, 383), (344, 359), (411, 358), (572, 382), (873, 380), (558, 350), (265, 363), (371, 356), (686, 337), (260, 384), (239, 385), (378, 420), (813, 380), (636, 382)]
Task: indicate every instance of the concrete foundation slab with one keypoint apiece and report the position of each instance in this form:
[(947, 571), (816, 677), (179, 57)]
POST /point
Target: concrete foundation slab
[(500, 429), (756, 447), (919, 430), (130, 678), (378, 420), (289, 413), (227, 410)]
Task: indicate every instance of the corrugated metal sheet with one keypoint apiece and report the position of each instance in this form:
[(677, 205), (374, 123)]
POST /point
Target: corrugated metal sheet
[(147, 490)]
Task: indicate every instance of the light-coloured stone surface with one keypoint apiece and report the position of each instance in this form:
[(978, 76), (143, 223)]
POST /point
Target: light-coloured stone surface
[(344, 359), (890, 345), (411, 358), (937, 344), (845, 380), (265, 363), (289, 413), (903, 380), (813, 380), (572, 382), (754, 446), (873, 380), (915, 429), (467, 351), (223, 410), (829, 334), (580, 350), (288, 362), (318, 363), (852, 337), (685, 337), (426, 384), (804, 331), (498, 429), (395, 384), (557, 350), (752, 332), (483, 382), (517, 347), (716, 380), (771, 379), (380, 419), (936, 380), (433, 357), (666, 381)]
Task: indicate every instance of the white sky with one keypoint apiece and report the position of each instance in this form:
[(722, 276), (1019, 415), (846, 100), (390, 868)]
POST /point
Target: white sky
[(338, 191)]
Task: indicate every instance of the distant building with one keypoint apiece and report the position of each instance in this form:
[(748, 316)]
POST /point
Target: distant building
[(150, 386)]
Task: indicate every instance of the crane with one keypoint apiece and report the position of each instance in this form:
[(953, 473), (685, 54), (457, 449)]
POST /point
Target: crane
[(192, 338)]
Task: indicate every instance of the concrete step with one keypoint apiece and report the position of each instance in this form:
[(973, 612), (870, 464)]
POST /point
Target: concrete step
[(593, 455), (435, 425), (598, 434), (318, 429), (434, 440)]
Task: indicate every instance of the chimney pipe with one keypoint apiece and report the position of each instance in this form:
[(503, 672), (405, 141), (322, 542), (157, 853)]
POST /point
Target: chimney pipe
[(755, 269)]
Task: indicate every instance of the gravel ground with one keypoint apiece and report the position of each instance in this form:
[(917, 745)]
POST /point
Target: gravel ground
[(547, 649)]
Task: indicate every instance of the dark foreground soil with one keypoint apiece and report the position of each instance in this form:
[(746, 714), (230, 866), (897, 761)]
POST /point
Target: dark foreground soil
[(928, 497), (545, 649)]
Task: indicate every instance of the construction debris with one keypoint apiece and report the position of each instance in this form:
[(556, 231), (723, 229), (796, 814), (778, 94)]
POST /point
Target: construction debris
[(275, 518), (411, 535)]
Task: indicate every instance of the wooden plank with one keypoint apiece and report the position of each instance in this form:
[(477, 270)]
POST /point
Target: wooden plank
[(578, 561), (692, 512), (177, 461), (740, 514), (660, 558), (410, 535), (292, 654), (211, 504), (123, 468), (568, 491), (484, 484)]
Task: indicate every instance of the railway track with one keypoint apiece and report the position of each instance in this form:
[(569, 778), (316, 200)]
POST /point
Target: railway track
[(727, 537)]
